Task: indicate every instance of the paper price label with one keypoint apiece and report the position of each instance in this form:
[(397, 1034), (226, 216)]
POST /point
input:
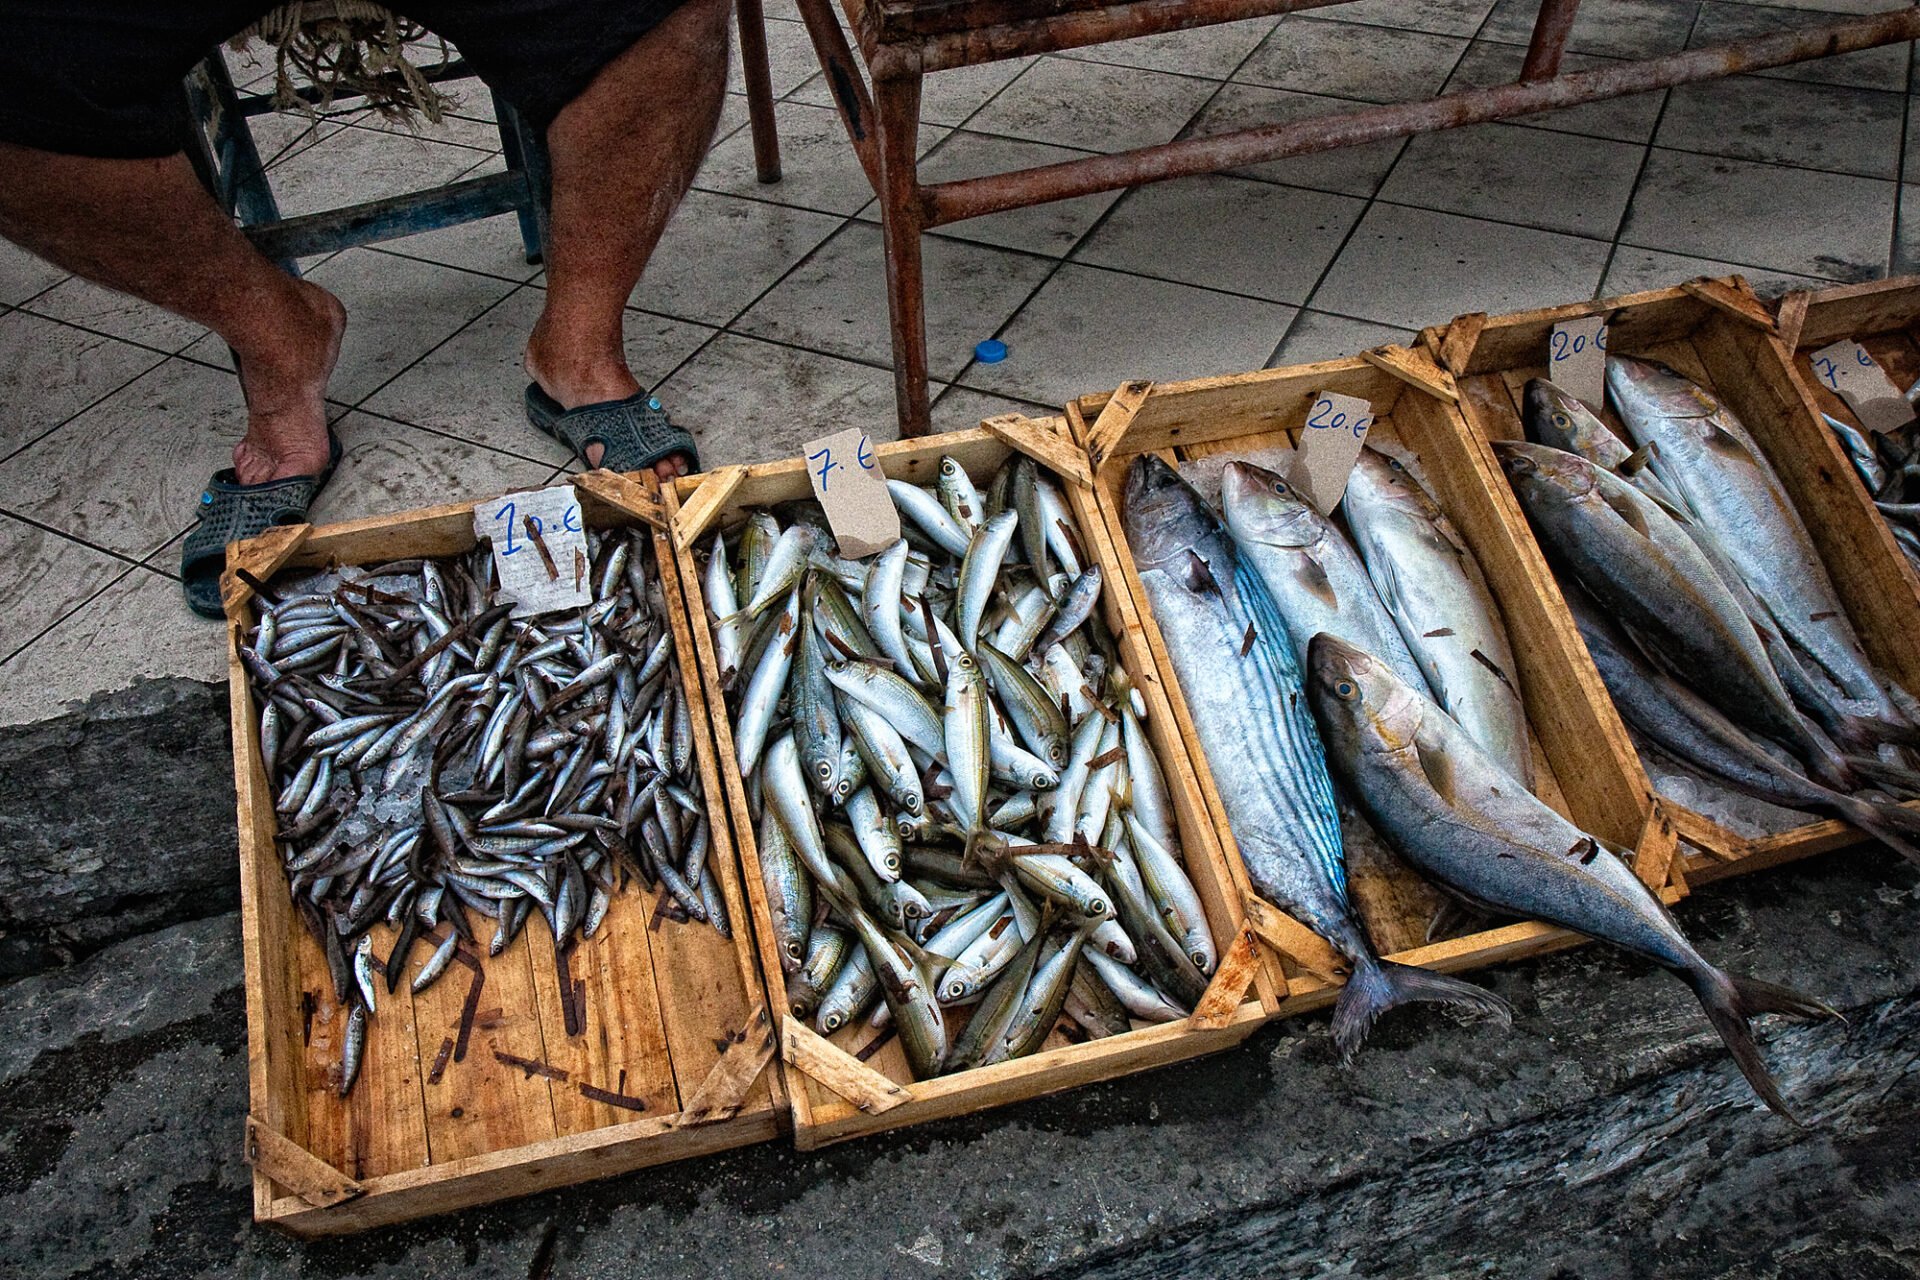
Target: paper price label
[(1335, 429), (539, 549), (1846, 369), (852, 489), (1577, 359)]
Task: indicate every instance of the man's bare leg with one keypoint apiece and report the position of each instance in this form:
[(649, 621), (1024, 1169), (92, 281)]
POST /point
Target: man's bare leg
[(624, 152), (148, 228)]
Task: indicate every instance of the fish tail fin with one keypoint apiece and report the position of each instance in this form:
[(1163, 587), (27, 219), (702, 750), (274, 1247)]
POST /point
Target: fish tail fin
[(1891, 825), (1825, 762), (1730, 1001), (1379, 986), (1892, 777)]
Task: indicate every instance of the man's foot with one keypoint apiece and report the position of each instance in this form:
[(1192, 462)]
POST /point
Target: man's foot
[(285, 385), (574, 382)]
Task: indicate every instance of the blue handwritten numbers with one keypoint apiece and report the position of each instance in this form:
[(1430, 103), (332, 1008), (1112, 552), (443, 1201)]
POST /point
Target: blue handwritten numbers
[(829, 464), (1325, 417), (506, 515)]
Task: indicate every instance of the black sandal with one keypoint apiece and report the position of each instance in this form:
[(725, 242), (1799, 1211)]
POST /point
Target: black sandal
[(633, 434), (230, 511)]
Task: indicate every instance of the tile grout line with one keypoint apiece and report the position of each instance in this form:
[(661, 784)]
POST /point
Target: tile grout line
[(1639, 176), (1373, 199), (1219, 86), (1900, 190), (50, 627)]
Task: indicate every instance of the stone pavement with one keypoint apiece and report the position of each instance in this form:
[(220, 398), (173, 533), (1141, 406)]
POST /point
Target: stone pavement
[(1605, 1135)]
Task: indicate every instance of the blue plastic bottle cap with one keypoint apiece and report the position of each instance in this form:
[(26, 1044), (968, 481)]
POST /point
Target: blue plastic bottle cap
[(992, 351)]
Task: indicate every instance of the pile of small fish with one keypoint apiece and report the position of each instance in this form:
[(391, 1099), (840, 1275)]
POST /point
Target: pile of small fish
[(433, 756), (1301, 665), (1703, 602), (1889, 465), (956, 801)]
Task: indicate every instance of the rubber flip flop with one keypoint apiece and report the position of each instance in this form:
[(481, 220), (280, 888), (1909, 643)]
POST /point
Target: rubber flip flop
[(633, 434), (230, 511)]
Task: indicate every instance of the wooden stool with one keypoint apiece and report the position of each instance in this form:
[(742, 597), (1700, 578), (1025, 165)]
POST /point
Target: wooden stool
[(223, 153)]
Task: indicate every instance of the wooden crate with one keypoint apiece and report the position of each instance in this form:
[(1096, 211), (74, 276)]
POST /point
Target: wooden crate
[(1884, 317), (1718, 333), (834, 1095), (1586, 765), (676, 1007)]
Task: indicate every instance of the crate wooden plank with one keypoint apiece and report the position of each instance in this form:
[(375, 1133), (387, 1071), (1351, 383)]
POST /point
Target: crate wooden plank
[(1712, 336), (1589, 769), (821, 1114), (405, 1144)]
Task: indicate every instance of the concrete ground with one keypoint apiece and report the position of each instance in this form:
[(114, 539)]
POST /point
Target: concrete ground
[(1605, 1135)]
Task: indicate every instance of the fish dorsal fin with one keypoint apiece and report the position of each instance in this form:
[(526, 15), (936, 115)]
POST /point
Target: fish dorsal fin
[(1312, 576), (1199, 578), (1635, 462), (1721, 440)]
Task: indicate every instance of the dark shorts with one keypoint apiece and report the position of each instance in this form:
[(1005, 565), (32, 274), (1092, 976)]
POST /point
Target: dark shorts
[(103, 77)]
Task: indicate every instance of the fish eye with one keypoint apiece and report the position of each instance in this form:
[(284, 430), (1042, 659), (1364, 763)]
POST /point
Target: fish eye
[(1560, 419), (1345, 690), (832, 1021), (1281, 487), (1395, 464)]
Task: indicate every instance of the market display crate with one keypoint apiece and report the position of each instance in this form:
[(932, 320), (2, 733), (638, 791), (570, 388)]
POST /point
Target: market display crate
[(834, 1093), (1585, 763), (1716, 332), (1884, 317), (674, 1014)]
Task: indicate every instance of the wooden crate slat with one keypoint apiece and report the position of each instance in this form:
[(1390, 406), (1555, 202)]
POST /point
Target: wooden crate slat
[(486, 1129), (820, 1114), (1711, 335), (1591, 768)]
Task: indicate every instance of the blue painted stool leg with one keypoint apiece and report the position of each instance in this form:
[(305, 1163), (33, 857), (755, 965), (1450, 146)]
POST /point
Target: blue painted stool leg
[(526, 153)]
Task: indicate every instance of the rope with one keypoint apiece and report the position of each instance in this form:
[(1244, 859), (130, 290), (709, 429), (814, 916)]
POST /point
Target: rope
[(349, 46)]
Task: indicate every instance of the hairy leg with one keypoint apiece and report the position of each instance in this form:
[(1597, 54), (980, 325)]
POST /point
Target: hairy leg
[(147, 227), (624, 152)]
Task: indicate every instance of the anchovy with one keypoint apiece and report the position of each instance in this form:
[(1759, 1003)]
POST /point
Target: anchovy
[(448, 760)]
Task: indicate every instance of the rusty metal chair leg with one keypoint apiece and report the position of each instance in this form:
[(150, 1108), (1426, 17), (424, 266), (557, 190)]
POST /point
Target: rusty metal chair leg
[(1550, 32), (897, 106), (753, 62)]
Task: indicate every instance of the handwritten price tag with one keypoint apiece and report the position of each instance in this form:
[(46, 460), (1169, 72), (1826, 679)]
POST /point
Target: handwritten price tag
[(539, 549), (852, 488), (1846, 369), (1336, 428), (1577, 359)]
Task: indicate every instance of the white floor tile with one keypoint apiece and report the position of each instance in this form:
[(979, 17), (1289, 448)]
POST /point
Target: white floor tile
[(1080, 104), (1051, 229), (722, 252), (1091, 330), (1409, 267), (1225, 233), (42, 577), (1558, 181), (1347, 60), (836, 301), (49, 372), (137, 629)]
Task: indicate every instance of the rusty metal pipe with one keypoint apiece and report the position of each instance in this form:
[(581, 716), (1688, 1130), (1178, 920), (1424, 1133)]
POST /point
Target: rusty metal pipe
[(1550, 32), (948, 202)]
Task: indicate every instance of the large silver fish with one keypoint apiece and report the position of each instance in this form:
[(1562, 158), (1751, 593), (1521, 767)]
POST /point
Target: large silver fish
[(1238, 674), (1691, 729), (1454, 812), (1642, 568), (1555, 418), (1313, 573), (1430, 582), (1705, 455)]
